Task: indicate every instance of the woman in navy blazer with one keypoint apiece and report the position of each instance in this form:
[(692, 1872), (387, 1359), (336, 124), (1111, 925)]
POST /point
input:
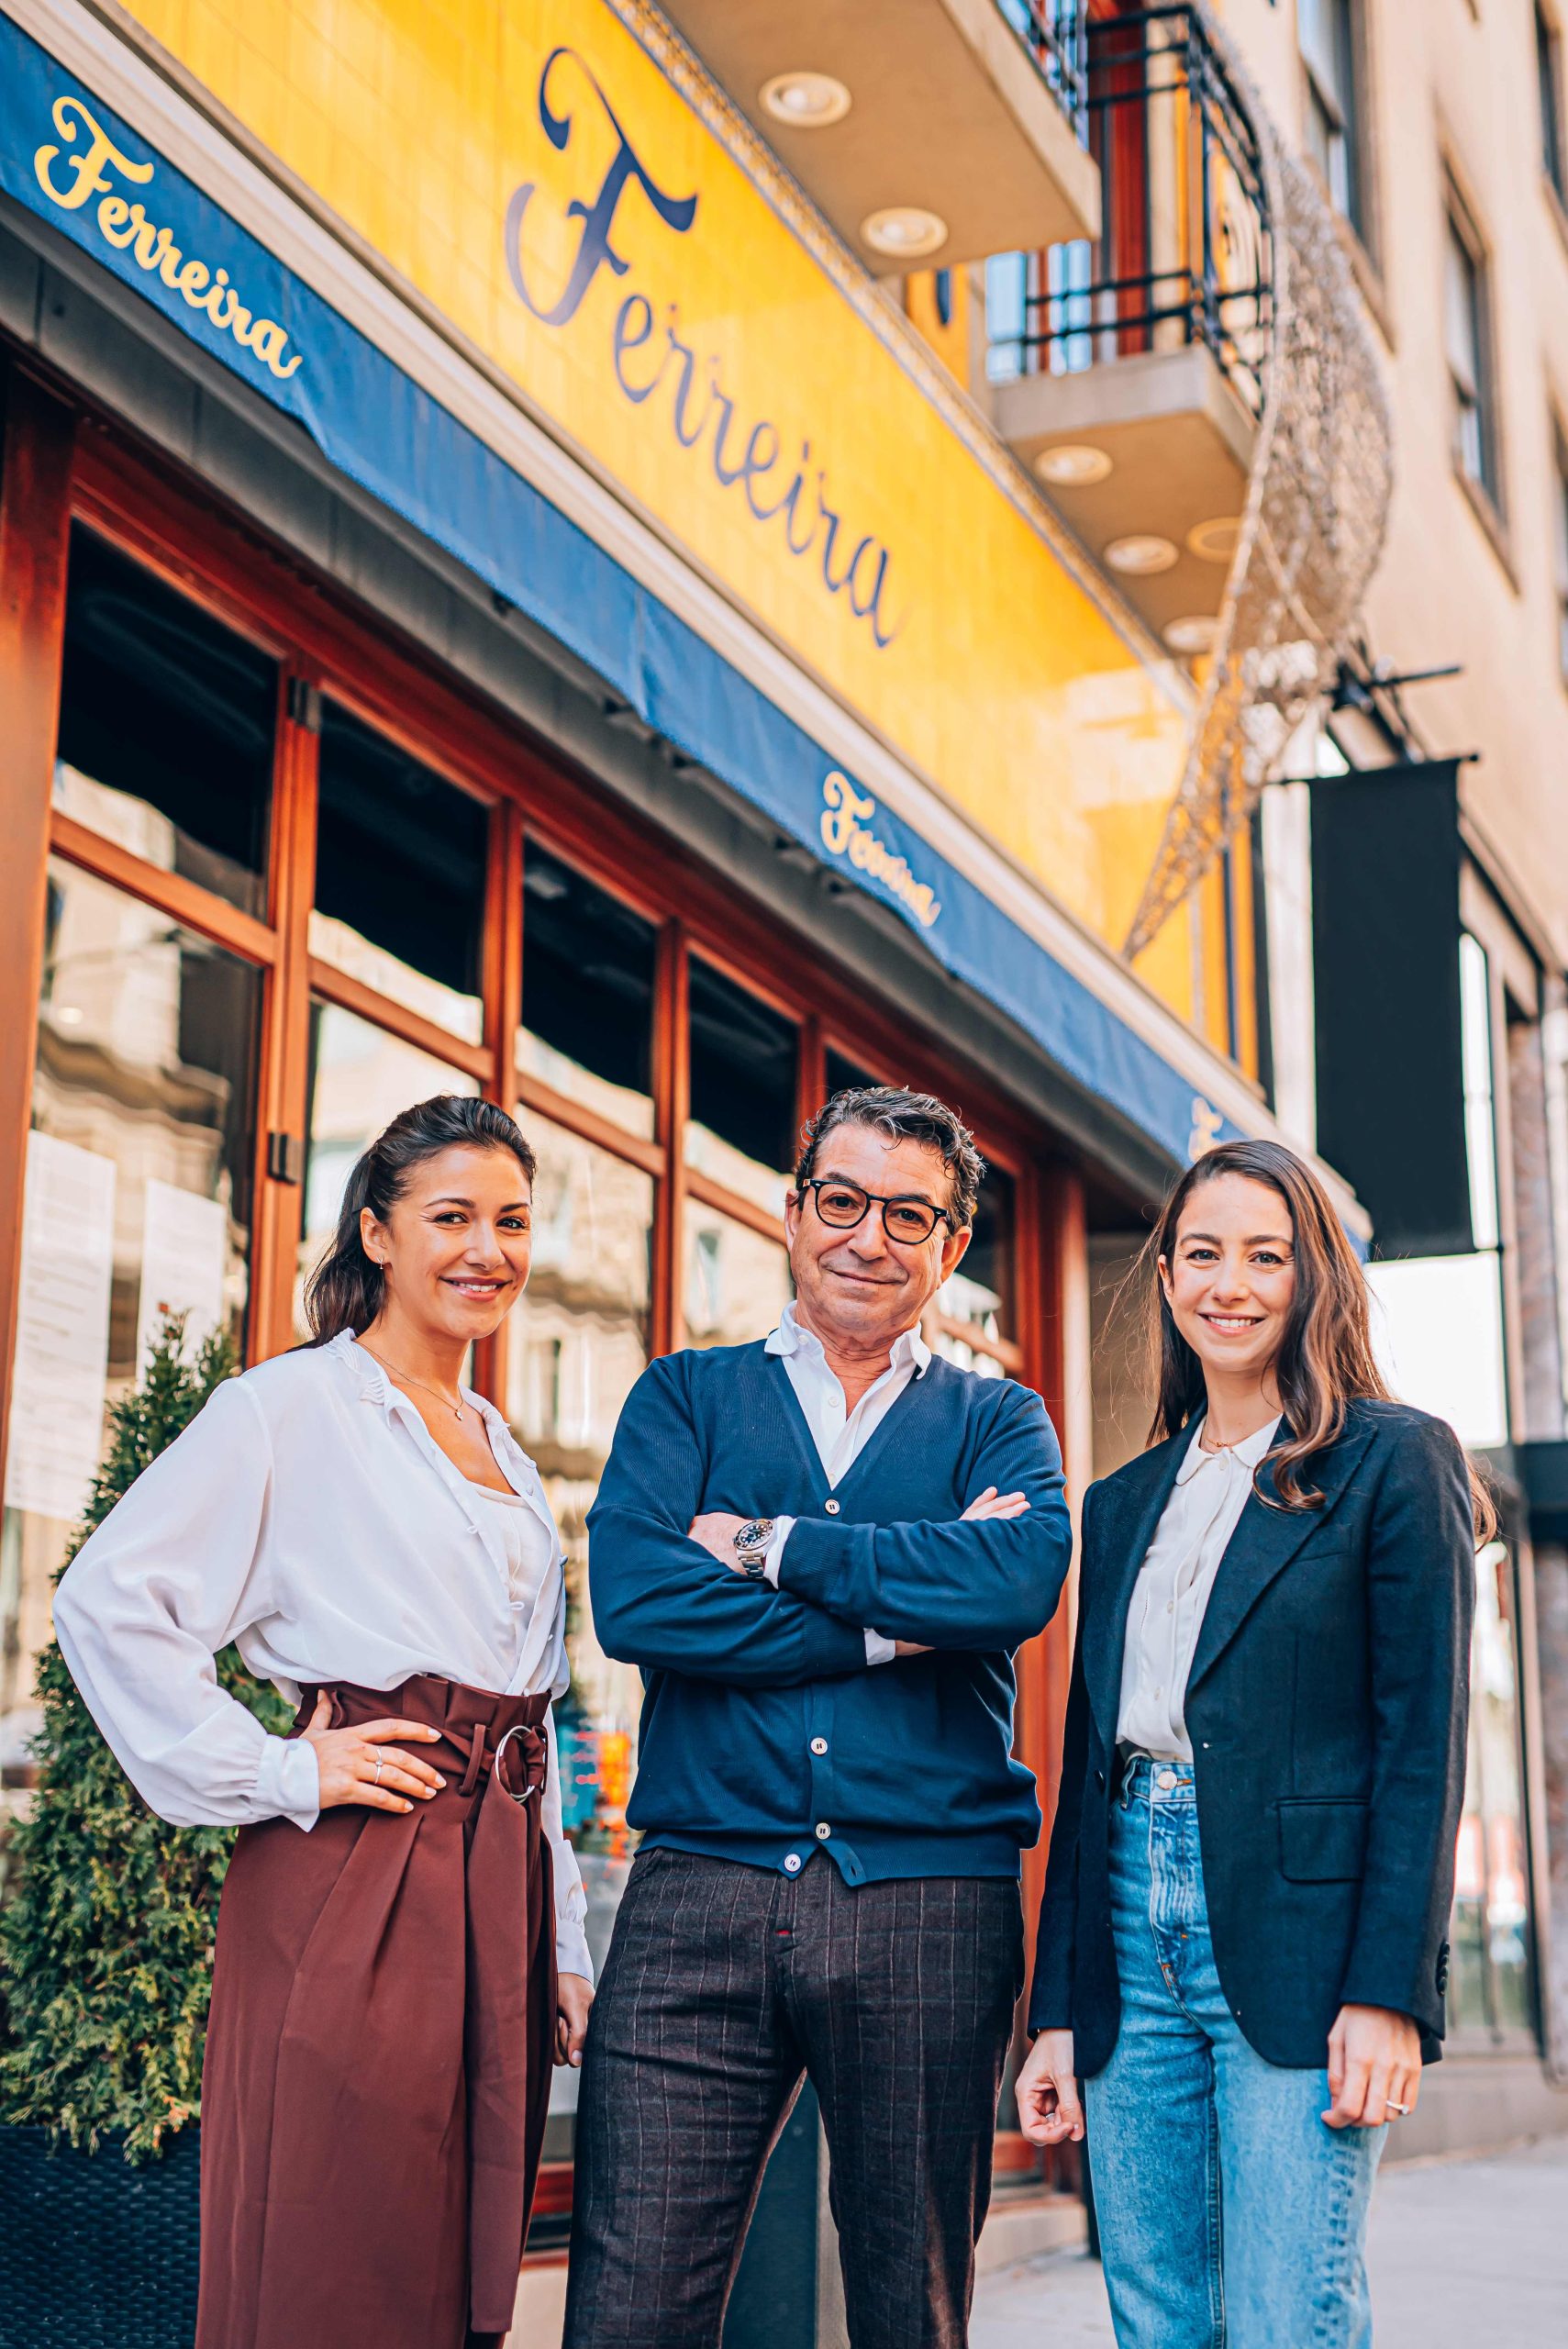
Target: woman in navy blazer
[(1242, 1948)]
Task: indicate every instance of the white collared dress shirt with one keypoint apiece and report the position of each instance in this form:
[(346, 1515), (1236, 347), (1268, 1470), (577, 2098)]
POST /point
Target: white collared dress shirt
[(839, 1434), (1172, 1593), (308, 1516)]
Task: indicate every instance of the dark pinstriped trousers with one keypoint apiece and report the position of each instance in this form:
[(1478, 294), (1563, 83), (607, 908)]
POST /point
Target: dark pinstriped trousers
[(724, 1985)]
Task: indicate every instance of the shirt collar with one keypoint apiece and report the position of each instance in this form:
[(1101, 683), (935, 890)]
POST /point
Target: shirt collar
[(376, 1387), (1248, 1453), (910, 1351)]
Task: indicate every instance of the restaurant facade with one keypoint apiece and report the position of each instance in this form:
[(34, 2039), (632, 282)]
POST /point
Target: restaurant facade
[(496, 598)]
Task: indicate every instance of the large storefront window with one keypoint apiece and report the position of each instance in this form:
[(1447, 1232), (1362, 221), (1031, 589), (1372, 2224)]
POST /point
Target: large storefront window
[(1492, 1987), (588, 981), (744, 1063), (166, 727), (400, 863), (138, 1204)]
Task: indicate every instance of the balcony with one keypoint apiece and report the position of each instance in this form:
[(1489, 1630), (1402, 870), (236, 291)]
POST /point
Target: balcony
[(930, 132), (1128, 371)]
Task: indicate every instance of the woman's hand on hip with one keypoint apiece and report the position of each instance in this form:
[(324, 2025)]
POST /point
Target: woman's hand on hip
[(362, 1763), (1049, 2113), (1374, 2067), (574, 1997)]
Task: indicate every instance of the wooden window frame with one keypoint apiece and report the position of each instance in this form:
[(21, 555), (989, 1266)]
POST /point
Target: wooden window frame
[(61, 466)]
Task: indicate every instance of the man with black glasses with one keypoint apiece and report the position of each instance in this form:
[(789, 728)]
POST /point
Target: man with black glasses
[(822, 1550)]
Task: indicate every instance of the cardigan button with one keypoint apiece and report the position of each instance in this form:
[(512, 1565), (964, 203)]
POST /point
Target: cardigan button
[(792, 1862), (832, 1507), (820, 1746)]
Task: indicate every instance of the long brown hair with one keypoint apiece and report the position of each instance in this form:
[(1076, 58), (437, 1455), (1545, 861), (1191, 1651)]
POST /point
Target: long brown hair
[(1325, 1360)]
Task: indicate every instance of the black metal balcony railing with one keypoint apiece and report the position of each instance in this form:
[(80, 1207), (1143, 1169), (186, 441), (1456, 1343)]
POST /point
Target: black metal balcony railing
[(1055, 35), (1185, 250)]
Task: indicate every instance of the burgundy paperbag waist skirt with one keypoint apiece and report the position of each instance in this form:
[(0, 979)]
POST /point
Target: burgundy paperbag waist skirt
[(379, 2055)]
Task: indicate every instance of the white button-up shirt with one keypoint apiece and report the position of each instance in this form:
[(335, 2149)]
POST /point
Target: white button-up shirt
[(839, 1434), (308, 1516), (1172, 1593)]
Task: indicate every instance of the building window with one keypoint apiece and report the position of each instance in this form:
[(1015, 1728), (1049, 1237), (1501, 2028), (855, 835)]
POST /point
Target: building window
[(1548, 85), (1469, 354), (1326, 31)]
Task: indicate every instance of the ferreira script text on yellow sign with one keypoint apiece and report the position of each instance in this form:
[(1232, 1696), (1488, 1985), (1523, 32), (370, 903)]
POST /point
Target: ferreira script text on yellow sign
[(532, 168)]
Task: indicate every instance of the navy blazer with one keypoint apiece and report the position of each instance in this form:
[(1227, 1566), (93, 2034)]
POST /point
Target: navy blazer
[(1327, 1706)]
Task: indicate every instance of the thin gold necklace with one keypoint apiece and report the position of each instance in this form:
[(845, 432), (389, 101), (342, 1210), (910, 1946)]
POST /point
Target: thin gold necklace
[(458, 1409)]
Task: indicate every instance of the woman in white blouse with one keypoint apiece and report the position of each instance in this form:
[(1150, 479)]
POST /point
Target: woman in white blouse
[(1242, 1948), (401, 1950)]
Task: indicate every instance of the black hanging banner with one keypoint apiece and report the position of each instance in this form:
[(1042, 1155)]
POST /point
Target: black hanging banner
[(1385, 864)]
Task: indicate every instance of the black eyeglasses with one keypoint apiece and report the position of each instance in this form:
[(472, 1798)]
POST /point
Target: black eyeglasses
[(843, 1205)]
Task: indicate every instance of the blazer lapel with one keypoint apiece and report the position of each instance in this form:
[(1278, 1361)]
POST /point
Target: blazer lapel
[(1127, 1509), (1266, 1541)]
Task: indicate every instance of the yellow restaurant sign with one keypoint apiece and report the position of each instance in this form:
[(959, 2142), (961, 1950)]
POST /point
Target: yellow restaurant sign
[(554, 177)]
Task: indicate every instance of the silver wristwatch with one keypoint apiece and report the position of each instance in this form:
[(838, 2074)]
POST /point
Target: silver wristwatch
[(751, 1541)]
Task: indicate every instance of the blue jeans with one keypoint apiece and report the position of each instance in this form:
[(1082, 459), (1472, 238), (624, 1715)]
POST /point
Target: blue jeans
[(1230, 2217)]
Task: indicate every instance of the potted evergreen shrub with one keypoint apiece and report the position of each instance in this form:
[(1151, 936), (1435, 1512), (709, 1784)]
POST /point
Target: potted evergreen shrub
[(105, 1970)]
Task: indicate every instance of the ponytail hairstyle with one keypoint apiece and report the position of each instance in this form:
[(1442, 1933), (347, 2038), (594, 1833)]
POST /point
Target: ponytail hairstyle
[(345, 1291), (1324, 1361)]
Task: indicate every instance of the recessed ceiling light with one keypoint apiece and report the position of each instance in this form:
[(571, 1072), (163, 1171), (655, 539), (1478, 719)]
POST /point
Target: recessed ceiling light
[(1216, 540), (805, 101), (1142, 554), (1196, 633), (906, 230), (1073, 464)]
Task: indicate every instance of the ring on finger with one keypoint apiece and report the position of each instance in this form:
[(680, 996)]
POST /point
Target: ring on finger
[(376, 1780), (1402, 2110)]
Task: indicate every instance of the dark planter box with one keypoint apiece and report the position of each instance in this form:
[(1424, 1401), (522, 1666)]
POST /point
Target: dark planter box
[(95, 2255)]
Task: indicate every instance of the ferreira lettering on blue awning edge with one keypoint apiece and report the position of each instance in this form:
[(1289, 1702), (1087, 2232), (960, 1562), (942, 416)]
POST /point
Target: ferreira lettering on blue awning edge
[(845, 828), (810, 521), (126, 225)]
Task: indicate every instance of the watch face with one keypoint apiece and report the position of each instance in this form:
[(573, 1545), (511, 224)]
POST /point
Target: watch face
[(754, 1530)]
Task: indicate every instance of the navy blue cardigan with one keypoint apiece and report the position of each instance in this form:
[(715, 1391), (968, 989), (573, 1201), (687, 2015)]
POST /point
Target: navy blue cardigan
[(765, 1734)]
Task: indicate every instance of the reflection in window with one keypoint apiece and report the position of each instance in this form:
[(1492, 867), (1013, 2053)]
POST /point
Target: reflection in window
[(1491, 1985), (166, 726), (737, 1282), (578, 1344), (137, 1202), (360, 1077), (979, 1296), (744, 1057), (400, 859), (587, 994)]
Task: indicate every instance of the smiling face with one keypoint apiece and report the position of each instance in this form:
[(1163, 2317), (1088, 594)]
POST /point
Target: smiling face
[(456, 1246), (1230, 1279), (858, 1288)]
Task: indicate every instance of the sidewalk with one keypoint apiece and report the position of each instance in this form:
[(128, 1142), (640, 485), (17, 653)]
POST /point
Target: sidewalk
[(1462, 2252)]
